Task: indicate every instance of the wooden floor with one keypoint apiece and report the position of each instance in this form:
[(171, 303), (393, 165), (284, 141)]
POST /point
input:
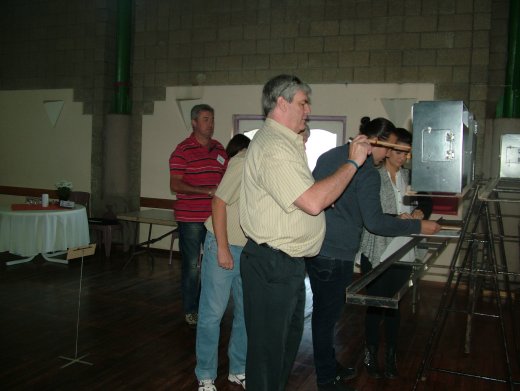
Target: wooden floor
[(132, 328)]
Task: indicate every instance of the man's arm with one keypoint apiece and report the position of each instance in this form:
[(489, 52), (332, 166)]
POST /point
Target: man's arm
[(219, 215), (324, 192), (177, 185)]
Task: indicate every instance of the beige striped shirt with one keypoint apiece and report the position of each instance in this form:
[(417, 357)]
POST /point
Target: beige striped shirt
[(275, 175), (229, 191)]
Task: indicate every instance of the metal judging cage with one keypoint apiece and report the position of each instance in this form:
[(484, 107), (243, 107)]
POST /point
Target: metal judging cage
[(444, 146)]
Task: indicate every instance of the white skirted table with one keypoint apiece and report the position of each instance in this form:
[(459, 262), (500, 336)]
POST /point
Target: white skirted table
[(45, 231)]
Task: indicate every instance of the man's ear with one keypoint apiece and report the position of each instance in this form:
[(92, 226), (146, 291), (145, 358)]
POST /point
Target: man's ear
[(281, 103)]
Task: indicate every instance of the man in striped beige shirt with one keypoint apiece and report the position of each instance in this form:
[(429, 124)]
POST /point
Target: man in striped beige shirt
[(281, 214)]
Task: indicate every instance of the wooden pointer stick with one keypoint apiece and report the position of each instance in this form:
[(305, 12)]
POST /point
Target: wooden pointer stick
[(379, 143)]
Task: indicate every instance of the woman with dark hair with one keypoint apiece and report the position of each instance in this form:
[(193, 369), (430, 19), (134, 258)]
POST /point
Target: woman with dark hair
[(330, 272), (220, 276), (375, 249), (236, 144)]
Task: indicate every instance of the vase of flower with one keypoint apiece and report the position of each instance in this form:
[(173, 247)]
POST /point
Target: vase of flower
[(63, 193), (63, 189)]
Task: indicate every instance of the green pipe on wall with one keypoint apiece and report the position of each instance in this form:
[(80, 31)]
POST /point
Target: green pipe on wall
[(509, 107), (122, 102)]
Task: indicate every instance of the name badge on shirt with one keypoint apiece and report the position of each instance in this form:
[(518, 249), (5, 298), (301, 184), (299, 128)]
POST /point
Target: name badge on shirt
[(220, 159)]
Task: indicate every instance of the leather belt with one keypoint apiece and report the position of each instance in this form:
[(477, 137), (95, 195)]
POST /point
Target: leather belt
[(267, 246)]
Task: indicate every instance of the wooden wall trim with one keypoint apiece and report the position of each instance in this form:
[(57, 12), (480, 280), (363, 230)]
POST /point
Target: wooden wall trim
[(146, 202), (159, 203), (27, 191)]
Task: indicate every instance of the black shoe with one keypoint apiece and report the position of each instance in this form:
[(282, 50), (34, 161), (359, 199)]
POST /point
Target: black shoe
[(390, 363), (370, 362), (335, 385), (345, 373)]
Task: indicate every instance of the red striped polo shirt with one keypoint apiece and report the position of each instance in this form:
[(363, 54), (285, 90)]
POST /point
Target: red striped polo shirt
[(199, 166)]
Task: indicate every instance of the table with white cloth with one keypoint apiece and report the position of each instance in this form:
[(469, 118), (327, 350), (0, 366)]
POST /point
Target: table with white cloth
[(27, 233)]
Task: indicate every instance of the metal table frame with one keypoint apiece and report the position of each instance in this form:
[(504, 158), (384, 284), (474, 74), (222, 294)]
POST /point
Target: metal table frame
[(435, 246), (479, 258), (151, 217), (480, 240)]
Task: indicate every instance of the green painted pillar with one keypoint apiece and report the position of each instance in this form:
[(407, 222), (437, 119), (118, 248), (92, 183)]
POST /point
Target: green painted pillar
[(122, 101), (509, 106)]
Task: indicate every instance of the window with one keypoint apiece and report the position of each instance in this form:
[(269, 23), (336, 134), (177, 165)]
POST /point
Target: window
[(327, 132)]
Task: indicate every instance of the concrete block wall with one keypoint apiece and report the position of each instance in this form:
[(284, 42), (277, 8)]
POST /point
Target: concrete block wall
[(63, 44), (324, 41), (460, 45)]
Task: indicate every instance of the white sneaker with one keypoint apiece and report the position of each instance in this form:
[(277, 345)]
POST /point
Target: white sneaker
[(206, 385), (238, 379)]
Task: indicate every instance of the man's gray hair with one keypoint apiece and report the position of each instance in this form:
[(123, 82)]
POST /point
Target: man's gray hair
[(195, 110), (285, 86)]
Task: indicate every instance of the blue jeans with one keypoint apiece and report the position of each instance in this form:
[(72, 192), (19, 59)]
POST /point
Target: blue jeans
[(329, 277), (191, 238), (217, 284)]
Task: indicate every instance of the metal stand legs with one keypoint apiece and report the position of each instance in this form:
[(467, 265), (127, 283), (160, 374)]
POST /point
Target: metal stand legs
[(480, 269)]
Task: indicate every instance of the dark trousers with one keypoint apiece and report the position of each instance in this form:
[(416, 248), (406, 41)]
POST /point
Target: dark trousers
[(386, 285), (274, 303), (329, 278)]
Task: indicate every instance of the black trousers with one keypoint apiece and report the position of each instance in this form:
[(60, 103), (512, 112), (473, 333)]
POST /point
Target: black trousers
[(386, 285), (329, 277), (274, 303)]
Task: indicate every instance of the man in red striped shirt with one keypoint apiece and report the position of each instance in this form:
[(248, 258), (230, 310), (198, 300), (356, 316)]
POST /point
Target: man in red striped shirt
[(196, 167)]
